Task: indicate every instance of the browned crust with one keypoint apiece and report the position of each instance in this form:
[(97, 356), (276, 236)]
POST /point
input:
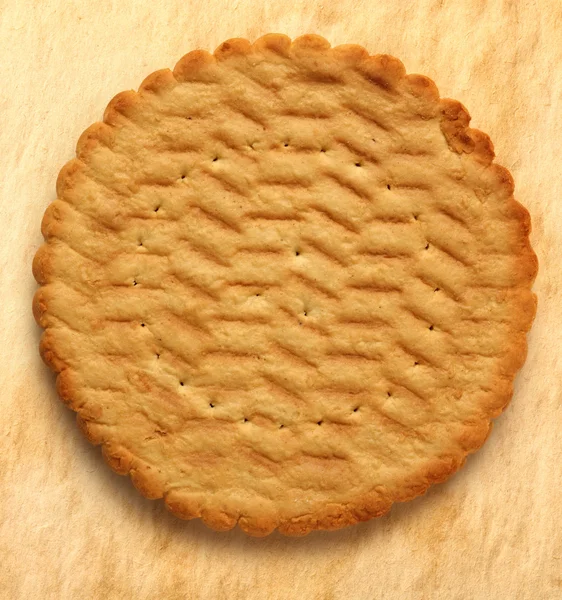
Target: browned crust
[(386, 72)]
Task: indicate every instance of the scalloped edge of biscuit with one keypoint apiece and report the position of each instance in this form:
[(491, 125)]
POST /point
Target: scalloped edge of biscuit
[(388, 73)]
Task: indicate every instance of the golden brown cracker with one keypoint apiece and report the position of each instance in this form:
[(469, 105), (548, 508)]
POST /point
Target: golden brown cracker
[(285, 285)]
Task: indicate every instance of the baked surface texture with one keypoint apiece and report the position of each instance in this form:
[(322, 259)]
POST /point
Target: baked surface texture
[(285, 285)]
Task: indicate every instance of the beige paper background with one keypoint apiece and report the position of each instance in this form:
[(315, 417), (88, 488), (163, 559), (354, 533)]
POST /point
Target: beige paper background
[(69, 527)]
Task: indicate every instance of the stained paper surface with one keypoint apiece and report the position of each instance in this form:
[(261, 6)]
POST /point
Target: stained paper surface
[(72, 529)]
